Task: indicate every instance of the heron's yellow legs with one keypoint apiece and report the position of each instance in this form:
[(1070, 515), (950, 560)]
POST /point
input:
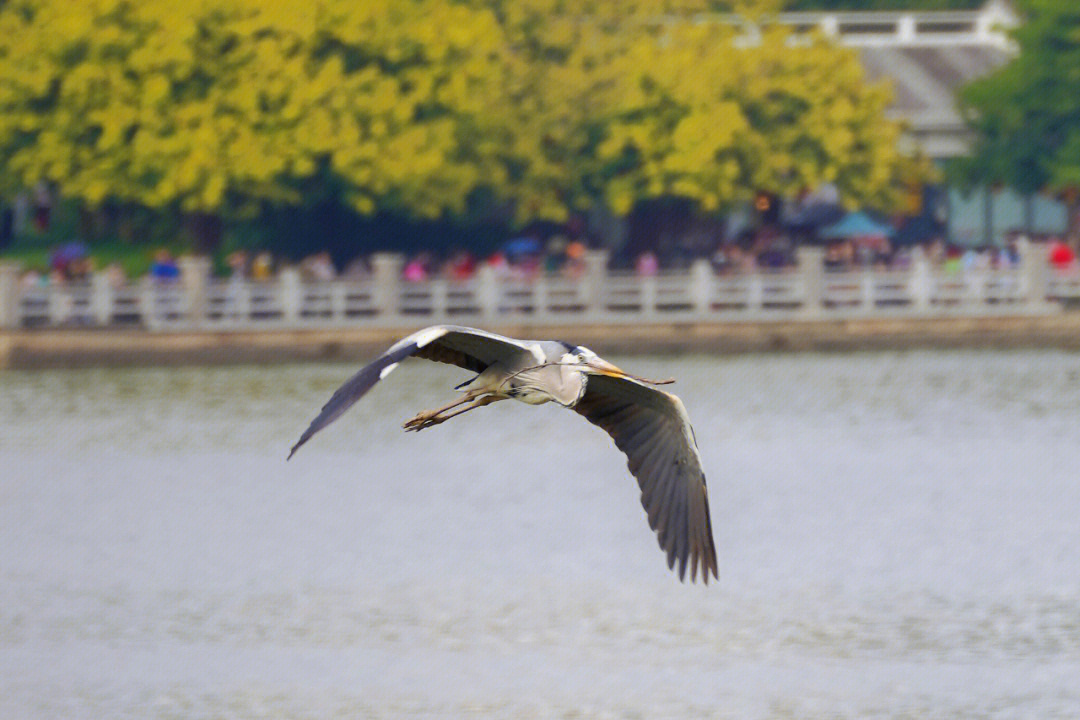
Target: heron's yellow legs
[(429, 418)]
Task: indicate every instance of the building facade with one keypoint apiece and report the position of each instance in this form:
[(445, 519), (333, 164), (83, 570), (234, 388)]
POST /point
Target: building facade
[(928, 56)]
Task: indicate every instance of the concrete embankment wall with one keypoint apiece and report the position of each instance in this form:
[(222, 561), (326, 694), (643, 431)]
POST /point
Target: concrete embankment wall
[(87, 348)]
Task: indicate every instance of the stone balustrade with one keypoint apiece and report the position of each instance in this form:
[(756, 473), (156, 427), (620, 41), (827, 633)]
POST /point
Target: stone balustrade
[(598, 296)]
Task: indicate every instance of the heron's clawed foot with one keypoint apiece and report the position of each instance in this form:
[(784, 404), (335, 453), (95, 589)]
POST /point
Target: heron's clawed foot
[(424, 419), (427, 418)]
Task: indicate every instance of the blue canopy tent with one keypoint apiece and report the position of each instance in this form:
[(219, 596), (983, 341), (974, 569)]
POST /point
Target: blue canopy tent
[(524, 245), (856, 225)]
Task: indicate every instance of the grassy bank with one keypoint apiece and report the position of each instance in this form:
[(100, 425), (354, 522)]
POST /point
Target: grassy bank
[(34, 252)]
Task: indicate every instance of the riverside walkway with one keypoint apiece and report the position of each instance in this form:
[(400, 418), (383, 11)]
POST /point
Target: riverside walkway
[(201, 319), (597, 297)]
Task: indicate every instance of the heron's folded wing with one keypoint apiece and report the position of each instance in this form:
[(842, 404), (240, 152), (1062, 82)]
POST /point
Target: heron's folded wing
[(465, 347), (652, 428)]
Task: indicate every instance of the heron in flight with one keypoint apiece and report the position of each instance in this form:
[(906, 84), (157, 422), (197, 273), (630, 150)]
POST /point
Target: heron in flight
[(649, 425)]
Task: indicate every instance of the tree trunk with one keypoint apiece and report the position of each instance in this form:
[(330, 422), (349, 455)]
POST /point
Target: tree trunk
[(206, 230), (87, 226)]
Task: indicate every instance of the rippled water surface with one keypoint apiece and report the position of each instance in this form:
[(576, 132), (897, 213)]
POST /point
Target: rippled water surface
[(899, 537)]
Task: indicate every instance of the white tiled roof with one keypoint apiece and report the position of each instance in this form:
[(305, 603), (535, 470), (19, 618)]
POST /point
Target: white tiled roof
[(927, 56)]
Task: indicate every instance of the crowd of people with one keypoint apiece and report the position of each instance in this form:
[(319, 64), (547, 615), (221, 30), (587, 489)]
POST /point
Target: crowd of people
[(515, 259), (525, 258)]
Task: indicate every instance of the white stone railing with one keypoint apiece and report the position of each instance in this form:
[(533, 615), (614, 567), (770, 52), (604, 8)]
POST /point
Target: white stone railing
[(597, 297), (985, 26)]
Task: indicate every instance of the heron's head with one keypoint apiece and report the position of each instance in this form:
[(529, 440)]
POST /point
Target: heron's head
[(578, 355), (585, 356)]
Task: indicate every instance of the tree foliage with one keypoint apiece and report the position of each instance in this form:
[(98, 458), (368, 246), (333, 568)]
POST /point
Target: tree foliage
[(1027, 114), (222, 107), (628, 101), (213, 103)]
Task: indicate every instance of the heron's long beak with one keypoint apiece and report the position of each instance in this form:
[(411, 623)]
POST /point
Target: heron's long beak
[(603, 367)]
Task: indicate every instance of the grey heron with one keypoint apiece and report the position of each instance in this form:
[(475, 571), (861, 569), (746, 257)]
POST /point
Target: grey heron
[(649, 425)]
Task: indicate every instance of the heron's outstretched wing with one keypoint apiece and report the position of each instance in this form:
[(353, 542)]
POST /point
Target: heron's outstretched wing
[(465, 347), (652, 428)]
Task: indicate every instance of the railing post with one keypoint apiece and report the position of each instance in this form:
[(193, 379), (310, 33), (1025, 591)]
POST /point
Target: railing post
[(194, 274), (540, 296), (975, 286), (242, 300), (812, 274), (338, 299), (1034, 271), (148, 309), (292, 295), (386, 267), (866, 300), (59, 303), (702, 281), (101, 298), (9, 295), (919, 284), (648, 297), (992, 19), (438, 299), (906, 28), (830, 26), (487, 292), (755, 290), (595, 275)]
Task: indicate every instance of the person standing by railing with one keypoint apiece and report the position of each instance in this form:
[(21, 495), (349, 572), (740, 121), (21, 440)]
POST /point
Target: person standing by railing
[(262, 267), (647, 264), (162, 300), (416, 270), (1060, 254), (318, 267), (164, 270), (574, 267), (460, 266)]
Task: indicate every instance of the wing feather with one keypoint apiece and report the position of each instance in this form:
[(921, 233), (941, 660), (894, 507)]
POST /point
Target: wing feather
[(663, 505), (465, 347), (666, 517), (650, 447), (653, 431)]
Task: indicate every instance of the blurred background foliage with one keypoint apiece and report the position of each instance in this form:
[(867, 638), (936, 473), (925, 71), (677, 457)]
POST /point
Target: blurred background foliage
[(1027, 114), (296, 125)]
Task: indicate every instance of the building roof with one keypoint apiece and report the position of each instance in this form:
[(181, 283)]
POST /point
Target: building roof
[(925, 82), (927, 56)]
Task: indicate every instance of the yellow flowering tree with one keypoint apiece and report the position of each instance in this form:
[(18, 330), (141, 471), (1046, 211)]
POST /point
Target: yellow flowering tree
[(215, 108), (667, 98)]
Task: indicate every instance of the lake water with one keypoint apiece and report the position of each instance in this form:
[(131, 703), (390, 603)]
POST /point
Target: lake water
[(898, 537)]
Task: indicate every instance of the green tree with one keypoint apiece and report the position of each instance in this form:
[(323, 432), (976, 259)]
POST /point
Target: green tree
[(218, 109), (1027, 114)]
